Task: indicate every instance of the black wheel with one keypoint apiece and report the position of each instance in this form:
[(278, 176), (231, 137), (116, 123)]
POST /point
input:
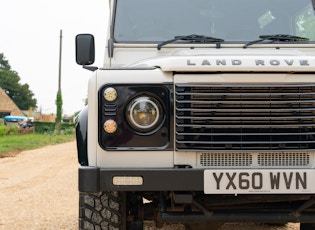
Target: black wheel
[(103, 211), (307, 226)]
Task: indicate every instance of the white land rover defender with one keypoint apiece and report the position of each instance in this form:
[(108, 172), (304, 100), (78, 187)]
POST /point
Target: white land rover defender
[(203, 113)]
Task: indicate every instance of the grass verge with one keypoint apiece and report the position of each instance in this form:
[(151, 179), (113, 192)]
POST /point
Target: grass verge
[(13, 144)]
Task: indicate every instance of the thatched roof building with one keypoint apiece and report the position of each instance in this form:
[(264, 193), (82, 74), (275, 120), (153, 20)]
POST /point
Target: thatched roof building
[(7, 106)]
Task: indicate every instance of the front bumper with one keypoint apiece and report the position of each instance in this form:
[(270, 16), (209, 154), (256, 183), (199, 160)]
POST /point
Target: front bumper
[(94, 180)]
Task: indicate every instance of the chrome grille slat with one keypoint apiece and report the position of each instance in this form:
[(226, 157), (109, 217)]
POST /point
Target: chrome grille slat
[(245, 134), (244, 126), (253, 86), (245, 117), (243, 94), (196, 102), (243, 142), (244, 109)]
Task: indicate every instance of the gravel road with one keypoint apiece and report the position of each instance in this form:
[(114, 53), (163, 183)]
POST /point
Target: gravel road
[(38, 190)]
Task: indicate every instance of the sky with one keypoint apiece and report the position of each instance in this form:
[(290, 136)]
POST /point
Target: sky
[(29, 40)]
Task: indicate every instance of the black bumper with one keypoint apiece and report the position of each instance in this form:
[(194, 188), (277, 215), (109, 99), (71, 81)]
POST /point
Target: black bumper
[(94, 180)]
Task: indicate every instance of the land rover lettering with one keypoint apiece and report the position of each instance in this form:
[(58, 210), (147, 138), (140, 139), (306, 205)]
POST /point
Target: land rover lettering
[(250, 62)]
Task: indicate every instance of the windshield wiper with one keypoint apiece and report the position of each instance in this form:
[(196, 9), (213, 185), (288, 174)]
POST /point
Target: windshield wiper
[(193, 38), (277, 38)]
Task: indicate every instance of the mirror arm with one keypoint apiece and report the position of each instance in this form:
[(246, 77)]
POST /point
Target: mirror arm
[(90, 68)]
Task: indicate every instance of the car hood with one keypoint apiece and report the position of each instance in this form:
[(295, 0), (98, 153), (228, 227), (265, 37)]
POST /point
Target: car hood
[(233, 60)]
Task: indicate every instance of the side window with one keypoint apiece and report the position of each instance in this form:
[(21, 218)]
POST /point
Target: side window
[(305, 23)]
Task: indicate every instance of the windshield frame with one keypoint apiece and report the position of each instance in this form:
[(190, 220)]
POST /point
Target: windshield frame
[(115, 38)]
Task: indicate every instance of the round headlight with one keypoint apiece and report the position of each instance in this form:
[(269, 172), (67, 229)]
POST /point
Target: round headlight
[(144, 113)]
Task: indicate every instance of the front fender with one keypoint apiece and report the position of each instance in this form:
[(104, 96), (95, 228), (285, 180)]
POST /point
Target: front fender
[(81, 126)]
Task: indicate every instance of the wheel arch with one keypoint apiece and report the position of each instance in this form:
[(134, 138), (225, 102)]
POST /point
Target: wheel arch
[(81, 126)]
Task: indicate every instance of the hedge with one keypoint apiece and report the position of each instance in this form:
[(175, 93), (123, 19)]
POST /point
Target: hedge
[(39, 127), (3, 130), (50, 127)]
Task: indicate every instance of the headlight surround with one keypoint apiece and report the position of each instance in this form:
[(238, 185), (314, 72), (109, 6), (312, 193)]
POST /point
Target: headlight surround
[(144, 114), (124, 136)]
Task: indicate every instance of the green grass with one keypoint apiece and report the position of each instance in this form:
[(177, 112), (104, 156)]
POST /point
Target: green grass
[(17, 143)]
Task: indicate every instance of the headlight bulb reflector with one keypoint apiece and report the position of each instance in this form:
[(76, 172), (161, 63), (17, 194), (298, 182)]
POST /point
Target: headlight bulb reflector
[(144, 113)]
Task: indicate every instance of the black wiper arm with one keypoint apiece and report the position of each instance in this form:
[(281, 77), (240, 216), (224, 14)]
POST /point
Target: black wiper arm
[(277, 38), (192, 38)]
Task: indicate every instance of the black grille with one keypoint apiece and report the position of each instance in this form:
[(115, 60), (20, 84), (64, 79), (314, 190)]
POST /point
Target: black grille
[(245, 117)]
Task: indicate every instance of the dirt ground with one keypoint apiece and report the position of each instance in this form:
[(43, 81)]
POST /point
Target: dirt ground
[(38, 190)]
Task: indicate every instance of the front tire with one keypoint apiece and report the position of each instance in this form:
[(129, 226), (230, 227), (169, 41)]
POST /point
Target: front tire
[(105, 210)]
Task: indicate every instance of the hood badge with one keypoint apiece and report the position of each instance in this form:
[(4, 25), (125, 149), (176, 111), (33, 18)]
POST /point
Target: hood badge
[(255, 62)]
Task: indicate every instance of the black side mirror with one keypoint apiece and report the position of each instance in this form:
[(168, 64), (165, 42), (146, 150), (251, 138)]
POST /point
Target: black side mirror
[(85, 49)]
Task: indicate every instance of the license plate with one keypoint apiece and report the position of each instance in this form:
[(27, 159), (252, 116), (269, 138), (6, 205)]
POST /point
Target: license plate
[(259, 181)]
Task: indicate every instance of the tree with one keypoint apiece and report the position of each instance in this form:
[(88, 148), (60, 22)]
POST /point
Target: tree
[(4, 64), (21, 94), (59, 111)]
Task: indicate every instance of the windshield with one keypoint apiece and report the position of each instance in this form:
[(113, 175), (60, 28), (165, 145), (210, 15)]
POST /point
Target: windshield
[(231, 20)]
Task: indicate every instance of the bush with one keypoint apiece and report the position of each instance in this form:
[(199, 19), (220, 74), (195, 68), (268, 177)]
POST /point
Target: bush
[(67, 128), (44, 127), (50, 127), (3, 130), (69, 131), (14, 130)]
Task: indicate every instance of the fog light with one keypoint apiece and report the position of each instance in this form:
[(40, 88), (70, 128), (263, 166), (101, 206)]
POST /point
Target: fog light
[(127, 180), (110, 126)]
